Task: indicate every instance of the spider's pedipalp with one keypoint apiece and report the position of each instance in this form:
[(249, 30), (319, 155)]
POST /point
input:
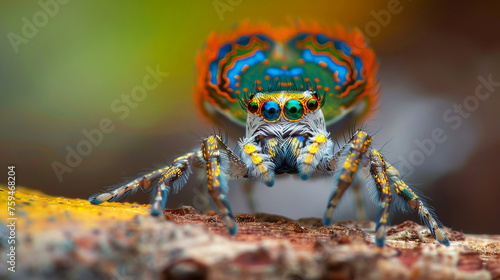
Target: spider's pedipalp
[(311, 155), (260, 164)]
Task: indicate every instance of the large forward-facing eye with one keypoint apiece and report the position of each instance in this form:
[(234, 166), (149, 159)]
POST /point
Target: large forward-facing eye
[(271, 110), (293, 110)]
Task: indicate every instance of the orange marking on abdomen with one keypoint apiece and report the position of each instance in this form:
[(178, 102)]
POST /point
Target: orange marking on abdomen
[(336, 76)]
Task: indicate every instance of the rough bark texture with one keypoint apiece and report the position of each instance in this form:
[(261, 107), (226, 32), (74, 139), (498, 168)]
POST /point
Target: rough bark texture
[(60, 238)]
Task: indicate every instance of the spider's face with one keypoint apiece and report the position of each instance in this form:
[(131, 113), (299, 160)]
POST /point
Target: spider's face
[(292, 107), (284, 114)]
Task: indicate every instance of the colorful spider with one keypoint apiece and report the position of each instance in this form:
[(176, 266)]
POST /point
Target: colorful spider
[(286, 86)]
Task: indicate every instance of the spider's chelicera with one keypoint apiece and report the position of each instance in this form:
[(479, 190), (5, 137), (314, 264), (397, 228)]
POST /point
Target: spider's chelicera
[(314, 76)]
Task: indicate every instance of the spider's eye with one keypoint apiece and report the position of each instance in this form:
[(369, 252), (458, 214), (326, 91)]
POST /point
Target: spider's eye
[(271, 110), (312, 104), (253, 107), (294, 110)]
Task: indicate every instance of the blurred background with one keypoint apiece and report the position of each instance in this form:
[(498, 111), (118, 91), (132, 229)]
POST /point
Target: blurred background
[(65, 63)]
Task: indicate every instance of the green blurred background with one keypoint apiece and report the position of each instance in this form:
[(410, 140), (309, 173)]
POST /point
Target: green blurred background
[(89, 53)]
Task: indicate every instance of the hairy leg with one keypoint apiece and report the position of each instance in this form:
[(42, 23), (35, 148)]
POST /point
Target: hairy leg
[(350, 157), (171, 176), (220, 163), (386, 179)]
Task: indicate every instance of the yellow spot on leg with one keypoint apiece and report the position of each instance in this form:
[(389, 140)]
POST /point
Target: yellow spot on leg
[(249, 148), (320, 138)]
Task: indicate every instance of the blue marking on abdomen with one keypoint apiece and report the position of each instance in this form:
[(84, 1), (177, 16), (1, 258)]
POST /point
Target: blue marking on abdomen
[(308, 56), (358, 65), (276, 72), (251, 60)]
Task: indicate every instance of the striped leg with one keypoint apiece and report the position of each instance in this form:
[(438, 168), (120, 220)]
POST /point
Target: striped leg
[(350, 157), (387, 181), (221, 162), (415, 203), (158, 205), (378, 172), (122, 191), (174, 176)]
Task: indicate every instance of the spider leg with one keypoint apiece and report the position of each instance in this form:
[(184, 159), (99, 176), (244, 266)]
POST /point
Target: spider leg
[(174, 176), (415, 203), (351, 155), (378, 172), (116, 194), (158, 205), (386, 179), (221, 162)]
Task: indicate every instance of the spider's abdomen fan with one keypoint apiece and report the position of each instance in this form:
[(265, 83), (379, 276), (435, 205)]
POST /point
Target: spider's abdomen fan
[(249, 57)]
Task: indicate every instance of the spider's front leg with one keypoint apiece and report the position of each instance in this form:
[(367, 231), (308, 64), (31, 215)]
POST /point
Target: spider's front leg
[(221, 162), (386, 179)]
